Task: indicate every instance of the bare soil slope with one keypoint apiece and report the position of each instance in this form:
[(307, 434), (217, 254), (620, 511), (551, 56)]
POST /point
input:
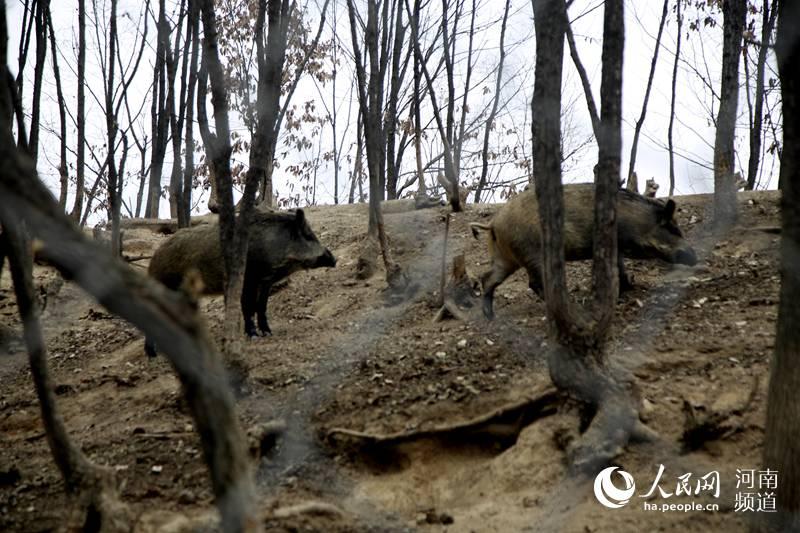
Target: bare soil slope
[(345, 358)]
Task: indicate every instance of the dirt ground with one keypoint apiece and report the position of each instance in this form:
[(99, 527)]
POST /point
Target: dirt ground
[(344, 358)]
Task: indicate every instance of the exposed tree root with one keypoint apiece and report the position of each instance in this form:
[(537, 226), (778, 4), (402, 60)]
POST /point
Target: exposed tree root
[(616, 420), (503, 422), (306, 508)]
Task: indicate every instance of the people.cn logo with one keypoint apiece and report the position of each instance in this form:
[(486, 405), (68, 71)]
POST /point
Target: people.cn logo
[(608, 494)]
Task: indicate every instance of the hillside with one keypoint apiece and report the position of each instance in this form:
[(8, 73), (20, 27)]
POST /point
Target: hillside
[(344, 358)]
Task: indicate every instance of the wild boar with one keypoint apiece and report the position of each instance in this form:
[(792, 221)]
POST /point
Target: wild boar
[(646, 230), (280, 244)]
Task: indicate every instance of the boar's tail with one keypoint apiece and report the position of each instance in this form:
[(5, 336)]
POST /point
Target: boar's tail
[(476, 227)]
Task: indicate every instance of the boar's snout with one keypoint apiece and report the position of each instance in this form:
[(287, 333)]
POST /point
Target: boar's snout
[(685, 256), (327, 259)]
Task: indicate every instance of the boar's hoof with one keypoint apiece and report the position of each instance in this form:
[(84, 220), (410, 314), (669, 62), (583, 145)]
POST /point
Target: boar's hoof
[(625, 284), (149, 348), (488, 312), (686, 257)]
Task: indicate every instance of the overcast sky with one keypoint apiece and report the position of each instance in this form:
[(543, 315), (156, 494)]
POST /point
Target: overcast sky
[(694, 133)]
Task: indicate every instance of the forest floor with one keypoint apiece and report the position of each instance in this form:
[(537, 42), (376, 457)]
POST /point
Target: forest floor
[(344, 358)]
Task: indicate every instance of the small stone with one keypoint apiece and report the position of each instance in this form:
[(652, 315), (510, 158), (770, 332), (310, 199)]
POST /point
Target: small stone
[(157, 469), (462, 343), (490, 342)]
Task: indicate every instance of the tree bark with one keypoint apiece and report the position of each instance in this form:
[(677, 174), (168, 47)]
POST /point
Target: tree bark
[(42, 7), (370, 98), (77, 208), (679, 20), (577, 359), (767, 23), (782, 438), (159, 116), (724, 203), (188, 166), (62, 115), (218, 150)]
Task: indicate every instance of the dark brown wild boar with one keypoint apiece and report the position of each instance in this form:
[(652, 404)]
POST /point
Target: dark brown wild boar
[(280, 244), (646, 230)]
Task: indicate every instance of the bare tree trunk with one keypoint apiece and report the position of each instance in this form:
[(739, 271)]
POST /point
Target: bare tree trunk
[(80, 164), (62, 115), (188, 167), (782, 438), (632, 184), (159, 116), (273, 111), (587, 87), (218, 150), (142, 147), (111, 131), (577, 361), (370, 97), (358, 165), (396, 81), (725, 208), (176, 118), (450, 181), (679, 20), (417, 100), (767, 23), (42, 8), (495, 103)]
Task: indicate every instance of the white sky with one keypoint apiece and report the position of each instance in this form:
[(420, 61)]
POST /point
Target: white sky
[(694, 133)]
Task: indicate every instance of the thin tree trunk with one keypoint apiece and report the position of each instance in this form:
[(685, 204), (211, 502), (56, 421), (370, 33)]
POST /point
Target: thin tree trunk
[(495, 102), (111, 131), (782, 436), (42, 8), (188, 166), (62, 115), (394, 92), (417, 100), (29, 11), (159, 117), (80, 163), (725, 208), (577, 359), (587, 87), (767, 23), (632, 184), (679, 20)]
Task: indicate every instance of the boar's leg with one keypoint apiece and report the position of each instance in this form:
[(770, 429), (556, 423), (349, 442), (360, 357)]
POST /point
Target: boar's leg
[(535, 280), (149, 347), (249, 297), (261, 307), (489, 282), (625, 283)]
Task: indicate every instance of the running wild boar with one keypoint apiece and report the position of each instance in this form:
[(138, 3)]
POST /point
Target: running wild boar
[(646, 230)]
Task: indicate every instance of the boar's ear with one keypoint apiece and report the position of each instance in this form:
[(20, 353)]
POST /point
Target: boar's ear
[(669, 211), (300, 216)]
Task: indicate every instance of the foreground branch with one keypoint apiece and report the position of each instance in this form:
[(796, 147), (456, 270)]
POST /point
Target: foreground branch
[(167, 317)]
